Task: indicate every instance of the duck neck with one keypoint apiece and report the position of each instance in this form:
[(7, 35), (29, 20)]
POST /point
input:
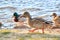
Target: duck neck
[(28, 20), (54, 16)]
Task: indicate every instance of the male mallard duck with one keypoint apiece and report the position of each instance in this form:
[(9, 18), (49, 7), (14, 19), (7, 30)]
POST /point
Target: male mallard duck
[(56, 20), (36, 23), (17, 20), (15, 15)]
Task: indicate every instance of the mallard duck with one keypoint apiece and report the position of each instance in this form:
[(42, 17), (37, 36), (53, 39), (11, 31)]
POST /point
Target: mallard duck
[(17, 19), (56, 19), (37, 23), (1, 24), (15, 15)]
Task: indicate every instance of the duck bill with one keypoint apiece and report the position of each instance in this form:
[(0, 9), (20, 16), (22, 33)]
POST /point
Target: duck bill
[(21, 16), (51, 15), (13, 16)]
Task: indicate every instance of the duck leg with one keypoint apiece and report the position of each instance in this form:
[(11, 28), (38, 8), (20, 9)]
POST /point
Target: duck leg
[(33, 30), (36, 29), (43, 30)]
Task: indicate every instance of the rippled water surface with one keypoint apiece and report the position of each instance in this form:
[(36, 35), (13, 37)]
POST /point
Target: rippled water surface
[(35, 7)]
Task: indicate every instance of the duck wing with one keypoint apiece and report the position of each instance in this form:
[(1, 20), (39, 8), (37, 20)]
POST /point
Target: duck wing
[(43, 20), (40, 22), (40, 19), (37, 23)]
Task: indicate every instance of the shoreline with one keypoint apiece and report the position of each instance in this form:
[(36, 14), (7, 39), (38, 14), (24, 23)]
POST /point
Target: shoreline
[(46, 31)]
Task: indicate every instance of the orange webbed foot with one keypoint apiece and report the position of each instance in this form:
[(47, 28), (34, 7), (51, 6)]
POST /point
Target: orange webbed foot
[(33, 30)]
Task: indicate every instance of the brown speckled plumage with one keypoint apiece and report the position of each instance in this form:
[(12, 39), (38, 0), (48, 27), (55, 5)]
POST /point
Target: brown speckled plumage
[(35, 22), (56, 19)]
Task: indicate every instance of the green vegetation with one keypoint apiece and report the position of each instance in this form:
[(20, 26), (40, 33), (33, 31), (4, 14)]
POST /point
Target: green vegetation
[(8, 34), (5, 33), (37, 36)]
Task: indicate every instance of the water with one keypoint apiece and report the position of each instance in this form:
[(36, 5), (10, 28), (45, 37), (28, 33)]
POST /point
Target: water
[(35, 7)]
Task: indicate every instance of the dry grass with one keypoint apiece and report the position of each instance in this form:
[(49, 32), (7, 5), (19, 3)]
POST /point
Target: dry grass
[(13, 34)]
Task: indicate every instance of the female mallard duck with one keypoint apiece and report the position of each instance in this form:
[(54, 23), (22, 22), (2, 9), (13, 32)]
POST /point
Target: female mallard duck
[(36, 23), (17, 19), (56, 20)]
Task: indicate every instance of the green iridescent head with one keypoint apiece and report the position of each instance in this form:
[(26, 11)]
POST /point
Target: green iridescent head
[(15, 14)]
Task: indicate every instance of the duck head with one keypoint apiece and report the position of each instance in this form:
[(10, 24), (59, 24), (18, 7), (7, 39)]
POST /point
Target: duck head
[(15, 14), (54, 15), (26, 15)]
